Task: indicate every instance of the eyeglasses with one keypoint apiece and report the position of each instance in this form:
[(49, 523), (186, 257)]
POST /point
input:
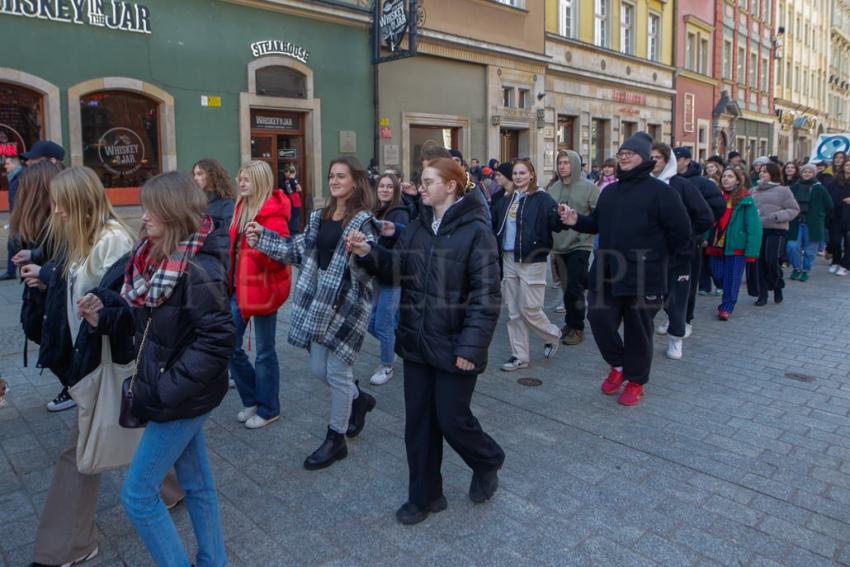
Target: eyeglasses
[(428, 183), (625, 154)]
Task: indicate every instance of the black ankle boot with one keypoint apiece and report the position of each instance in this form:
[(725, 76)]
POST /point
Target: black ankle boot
[(360, 406), (332, 450), (483, 485), (409, 514), (761, 301)]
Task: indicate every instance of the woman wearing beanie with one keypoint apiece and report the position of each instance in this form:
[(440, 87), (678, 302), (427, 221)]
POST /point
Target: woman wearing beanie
[(449, 259), (640, 223), (776, 207), (839, 222), (736, 239), (260, 286), (504, 188), (807, 232), (524, 226)]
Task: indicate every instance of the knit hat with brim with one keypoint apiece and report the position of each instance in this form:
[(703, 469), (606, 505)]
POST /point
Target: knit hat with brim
[(640, 143), (506, 169)]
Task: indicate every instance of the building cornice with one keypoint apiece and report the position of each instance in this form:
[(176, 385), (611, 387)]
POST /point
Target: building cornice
[(321, 11), (614, 80), (697, 77), (482, 46), (556, 38), (699, 23)]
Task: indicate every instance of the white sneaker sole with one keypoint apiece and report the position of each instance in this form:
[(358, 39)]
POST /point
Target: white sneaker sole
[(514, 368), (88, 557), (243, 417), (265, 423), (51, 407), (380, 381)]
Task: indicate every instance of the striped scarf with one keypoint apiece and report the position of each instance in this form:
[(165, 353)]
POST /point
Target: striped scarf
[(150, 285)]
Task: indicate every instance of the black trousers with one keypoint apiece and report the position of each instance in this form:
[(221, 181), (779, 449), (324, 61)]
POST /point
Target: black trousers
[(437, 407), (632, 351), (572, 271), (705, 278), (773, 243), (678, 294), (697, 259), (839, 247)]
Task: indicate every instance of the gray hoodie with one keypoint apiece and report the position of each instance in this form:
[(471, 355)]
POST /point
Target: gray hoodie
[(581, 195), (776, 204)]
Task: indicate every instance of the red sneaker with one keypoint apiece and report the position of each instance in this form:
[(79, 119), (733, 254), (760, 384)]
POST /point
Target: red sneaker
[(632, 395), (723, 315), (612, 383)]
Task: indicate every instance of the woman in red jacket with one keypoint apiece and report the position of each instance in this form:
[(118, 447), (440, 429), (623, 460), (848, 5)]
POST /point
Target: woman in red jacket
[(260, 286)]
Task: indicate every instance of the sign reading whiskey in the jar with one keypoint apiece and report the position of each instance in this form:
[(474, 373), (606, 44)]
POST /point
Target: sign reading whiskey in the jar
[(392, 21), (274, 121), (113, 14), (121, 151)]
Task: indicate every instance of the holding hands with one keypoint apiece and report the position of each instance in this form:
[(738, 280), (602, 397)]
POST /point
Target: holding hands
[(253, 232), (568, 216)]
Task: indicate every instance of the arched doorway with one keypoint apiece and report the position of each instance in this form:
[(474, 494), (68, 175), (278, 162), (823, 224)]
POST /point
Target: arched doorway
[(21, 121)]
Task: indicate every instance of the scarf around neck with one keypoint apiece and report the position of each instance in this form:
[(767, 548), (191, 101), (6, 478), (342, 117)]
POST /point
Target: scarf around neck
[(150, 285)]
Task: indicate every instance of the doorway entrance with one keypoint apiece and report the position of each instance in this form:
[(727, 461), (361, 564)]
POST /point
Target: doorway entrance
[(509, 147), (277, 138)]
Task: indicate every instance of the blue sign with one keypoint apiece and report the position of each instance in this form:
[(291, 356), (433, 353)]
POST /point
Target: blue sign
[(828, 145)]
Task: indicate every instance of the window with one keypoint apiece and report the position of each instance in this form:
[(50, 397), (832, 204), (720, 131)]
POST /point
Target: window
[(21, 120), (767, 8), (742, 64), (627, 130), (627, 28), (765, 74), (704, 54), (121, 141), (691, 52), (727, 59), (524, 98), (598, 141), (514, 3), (601, 32), (654, 39), (566, 132), (796, 78), (567, 17), (654, 130), (757, 8), (281, 81), (754, 66), (508, 97)]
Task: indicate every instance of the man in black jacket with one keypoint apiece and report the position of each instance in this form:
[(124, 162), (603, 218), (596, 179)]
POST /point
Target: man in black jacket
[(679, 273), (640, 223), (692, 171)]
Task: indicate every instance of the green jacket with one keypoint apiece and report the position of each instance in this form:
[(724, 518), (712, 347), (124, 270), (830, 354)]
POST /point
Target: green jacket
[(744, 230), (820, 206), (581, 195)]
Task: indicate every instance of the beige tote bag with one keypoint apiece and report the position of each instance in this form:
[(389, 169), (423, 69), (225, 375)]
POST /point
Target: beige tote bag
[(103, 444)]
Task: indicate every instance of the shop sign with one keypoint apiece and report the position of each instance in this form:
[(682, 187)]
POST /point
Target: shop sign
[(11, 142), (266, 122), (628, 98), (112, 14), (394, 24), (386, 133), (690, 104), (278, 47), (392, 20), (392, 155), (828, 145), (121, 151), (287, 153)]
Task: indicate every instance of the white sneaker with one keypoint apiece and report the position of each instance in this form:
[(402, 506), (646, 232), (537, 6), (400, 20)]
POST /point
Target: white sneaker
[(513, 363), (246, 414), (90, 555), (833, 268), (689, 329), (61, 402), (662, 328), (560, 309), (550, 349), (674, 348), (382, 375), (231, 383), (256, 422), (841, 272)]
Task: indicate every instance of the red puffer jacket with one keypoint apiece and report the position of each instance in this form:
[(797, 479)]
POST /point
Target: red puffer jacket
[(261, 285)]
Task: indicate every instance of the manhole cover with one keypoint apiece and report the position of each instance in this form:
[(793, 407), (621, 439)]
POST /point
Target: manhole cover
[(531, 382), (800, 377)]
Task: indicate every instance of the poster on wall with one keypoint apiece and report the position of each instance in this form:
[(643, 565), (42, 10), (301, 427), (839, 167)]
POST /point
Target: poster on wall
[(828, 145)]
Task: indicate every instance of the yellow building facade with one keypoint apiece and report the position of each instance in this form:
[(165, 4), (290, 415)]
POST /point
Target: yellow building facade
[(610, 74)]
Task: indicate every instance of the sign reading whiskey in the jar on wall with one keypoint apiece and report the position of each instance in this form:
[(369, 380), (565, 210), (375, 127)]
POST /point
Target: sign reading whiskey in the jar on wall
[(392, 20), (121, 151), (112, 14)]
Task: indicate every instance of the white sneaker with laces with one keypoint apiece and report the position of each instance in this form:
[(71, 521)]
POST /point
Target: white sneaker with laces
[(256, 422), (382, 375), (61, 402), (246, 414), (513, 363), (833, 268), (689, 329), (662, 328), (550, 349), (674, 348), (841, 272)]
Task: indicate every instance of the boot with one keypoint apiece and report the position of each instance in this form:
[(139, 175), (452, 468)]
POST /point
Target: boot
[(777, 295), (360, 406), (332, 450), (483, 485)]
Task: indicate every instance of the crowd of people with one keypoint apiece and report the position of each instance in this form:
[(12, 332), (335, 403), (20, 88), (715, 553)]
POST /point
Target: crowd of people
[(424, 264)]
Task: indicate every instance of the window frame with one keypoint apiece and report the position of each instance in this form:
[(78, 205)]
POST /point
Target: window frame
[(602, 23), (567, 7), (653, 45), (628, 25)]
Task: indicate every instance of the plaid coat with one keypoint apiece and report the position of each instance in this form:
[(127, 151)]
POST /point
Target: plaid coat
[(332, 307)]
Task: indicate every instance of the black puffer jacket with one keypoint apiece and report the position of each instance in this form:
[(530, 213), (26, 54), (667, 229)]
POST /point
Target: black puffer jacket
[(839, 218), (450, 299), (699, 212), (537, 218), (710, 191), (640, 223), (182, 372), (88, 349), (54, 352)]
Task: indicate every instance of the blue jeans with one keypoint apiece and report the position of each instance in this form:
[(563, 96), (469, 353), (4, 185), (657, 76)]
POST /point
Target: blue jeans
[(728, 271), (179, 444), (257, 387), (385, 320), (339, 376), (802, 252)]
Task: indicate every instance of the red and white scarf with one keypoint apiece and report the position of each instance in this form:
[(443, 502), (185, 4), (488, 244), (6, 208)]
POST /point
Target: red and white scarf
[(150, 285)]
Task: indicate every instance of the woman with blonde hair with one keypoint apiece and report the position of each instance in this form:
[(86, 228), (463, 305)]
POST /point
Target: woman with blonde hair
[(174, 302), (333, 299), (91, 245), (211, 176), (260, 286)]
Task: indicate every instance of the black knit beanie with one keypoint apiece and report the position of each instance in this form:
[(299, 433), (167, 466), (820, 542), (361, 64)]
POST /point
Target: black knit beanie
[(506, 169), (641, 144)]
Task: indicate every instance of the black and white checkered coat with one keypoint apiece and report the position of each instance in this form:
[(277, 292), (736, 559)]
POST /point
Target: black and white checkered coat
[(331, 307)]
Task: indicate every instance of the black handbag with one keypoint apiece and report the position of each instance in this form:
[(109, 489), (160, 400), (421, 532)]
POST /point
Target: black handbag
[(127, 418)]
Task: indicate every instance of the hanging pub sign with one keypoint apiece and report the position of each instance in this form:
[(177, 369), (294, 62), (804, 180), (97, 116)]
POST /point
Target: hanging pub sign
[(391, 21), (113, 14)]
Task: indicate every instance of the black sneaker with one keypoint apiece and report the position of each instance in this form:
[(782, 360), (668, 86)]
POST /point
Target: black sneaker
[(483, 485), (61, 402), (409, 514)]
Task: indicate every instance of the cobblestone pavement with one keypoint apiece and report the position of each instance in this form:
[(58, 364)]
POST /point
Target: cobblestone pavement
[(727, 461)]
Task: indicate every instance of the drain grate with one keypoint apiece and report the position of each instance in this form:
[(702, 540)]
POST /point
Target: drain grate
[(800, 377), (530, 382)]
